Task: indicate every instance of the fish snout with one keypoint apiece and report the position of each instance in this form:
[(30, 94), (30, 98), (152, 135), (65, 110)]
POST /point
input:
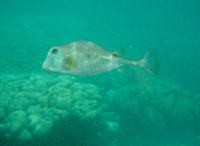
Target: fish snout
[(45, 66)]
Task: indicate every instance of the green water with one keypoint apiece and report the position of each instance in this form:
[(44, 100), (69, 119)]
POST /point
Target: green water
[(119, 108)]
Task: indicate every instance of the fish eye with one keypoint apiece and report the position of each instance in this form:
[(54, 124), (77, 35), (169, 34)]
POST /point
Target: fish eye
[(54, 51)]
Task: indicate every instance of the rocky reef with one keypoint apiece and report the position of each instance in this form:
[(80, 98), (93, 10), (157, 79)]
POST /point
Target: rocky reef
[(58, 109)]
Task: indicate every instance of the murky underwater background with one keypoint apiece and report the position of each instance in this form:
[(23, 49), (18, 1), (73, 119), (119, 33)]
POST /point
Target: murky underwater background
[(126, 108)]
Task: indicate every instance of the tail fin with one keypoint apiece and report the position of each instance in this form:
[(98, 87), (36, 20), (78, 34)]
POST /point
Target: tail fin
[(150, 62)]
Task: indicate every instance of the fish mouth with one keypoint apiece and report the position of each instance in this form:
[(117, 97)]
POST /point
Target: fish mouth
[(44, 66)]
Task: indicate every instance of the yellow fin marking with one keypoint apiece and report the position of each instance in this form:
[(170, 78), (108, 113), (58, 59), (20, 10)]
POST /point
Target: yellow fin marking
[(69, 62)]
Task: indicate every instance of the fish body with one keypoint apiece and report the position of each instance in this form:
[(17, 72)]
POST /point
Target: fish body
[(84, 58)]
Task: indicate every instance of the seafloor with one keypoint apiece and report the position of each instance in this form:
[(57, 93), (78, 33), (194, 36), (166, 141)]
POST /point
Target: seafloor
[(61, 110)]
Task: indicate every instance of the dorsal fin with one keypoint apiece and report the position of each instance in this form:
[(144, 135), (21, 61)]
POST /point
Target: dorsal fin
[(116, 54)]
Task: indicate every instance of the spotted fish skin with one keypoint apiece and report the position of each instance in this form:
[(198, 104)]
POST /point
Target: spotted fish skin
[(83, 58)]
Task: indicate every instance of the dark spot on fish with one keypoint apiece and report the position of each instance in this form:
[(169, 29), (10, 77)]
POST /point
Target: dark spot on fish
[(54, 51), (69, 62)]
